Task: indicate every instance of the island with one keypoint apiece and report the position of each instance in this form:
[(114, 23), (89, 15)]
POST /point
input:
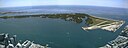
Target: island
[(3, 13), (76, 17), (93, 22)]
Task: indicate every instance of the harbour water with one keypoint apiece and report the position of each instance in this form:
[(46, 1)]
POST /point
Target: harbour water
[(59, 33)]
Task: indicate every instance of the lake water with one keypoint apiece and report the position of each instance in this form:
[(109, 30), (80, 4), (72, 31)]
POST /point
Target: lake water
[(59, 33)]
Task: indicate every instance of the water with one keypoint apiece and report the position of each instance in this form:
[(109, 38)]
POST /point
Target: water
[(59, 33)]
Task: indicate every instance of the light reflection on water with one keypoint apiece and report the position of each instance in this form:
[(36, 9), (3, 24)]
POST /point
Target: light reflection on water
[(59, 33)]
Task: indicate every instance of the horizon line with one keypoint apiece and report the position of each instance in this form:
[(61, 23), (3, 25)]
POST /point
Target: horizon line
[(61, 5)]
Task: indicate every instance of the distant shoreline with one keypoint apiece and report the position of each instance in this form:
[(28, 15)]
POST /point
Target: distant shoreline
[(65, 5)]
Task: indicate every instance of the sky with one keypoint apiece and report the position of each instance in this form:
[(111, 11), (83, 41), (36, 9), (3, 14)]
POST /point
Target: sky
[(106, 3)]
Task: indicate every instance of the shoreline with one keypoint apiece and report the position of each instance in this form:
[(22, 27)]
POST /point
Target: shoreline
[(94, 21), (121, 41), (113, 25)]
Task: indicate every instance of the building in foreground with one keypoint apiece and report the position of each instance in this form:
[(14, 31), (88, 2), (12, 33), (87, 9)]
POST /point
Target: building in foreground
[(120, 42), (7, 41)]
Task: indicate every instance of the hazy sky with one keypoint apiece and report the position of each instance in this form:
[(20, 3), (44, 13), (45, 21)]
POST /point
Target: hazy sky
[(107, 3)]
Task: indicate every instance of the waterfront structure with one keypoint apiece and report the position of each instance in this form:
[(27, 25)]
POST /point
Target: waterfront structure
[(120, 42), (10, 42)]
